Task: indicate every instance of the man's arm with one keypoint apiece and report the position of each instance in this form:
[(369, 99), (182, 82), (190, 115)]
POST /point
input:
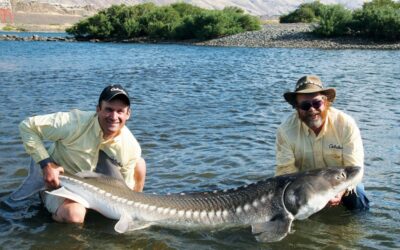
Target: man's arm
[(353, 150), (52, 127), (285, 160), (353, 154), (34, 130), (139, 175)]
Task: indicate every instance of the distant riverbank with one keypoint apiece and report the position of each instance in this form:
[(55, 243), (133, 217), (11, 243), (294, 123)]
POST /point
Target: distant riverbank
[(272, 35)]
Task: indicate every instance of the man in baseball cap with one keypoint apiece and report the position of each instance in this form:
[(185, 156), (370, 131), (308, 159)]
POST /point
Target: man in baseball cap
[(84, 141)]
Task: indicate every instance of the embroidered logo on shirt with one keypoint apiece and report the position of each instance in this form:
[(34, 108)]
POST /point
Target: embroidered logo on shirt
[(335, 146)]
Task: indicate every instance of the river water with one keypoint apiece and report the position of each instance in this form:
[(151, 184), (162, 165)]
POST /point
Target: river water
[(205, 118)]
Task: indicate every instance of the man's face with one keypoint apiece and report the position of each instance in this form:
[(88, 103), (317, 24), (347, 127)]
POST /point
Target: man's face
[(312, 109), (112, 117)]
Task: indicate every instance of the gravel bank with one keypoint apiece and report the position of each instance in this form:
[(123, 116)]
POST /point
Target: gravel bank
[(273, 35), (36, 38), (294, 36)]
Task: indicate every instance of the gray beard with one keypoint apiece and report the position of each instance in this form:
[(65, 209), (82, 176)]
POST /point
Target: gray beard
[(314, 123)]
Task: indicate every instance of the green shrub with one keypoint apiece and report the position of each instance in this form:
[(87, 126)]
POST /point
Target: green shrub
[(160, 22), (211, 24), (185, 9), (381, 3), (302, 15), (379, 19), (176, 21), (334, 21), (99, 25), (305, 13), (208, 25)]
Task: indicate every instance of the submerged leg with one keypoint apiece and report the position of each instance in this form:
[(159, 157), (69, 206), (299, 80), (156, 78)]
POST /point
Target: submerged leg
[(356, 200), (70, 212)]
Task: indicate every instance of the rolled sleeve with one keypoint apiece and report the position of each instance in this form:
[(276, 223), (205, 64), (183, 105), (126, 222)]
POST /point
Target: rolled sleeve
[(353, 150), (34, 130)]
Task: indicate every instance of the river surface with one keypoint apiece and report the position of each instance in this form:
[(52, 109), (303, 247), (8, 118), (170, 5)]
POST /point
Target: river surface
[(205, 118)]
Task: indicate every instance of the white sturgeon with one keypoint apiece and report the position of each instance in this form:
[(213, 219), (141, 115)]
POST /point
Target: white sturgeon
[(269, 206)]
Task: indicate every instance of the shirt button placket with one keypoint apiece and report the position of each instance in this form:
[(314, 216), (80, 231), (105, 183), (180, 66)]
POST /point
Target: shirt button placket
[(318, 154)]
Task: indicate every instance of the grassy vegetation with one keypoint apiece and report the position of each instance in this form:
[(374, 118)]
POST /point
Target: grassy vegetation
[(10, 27), (178, 21), (378, 19)]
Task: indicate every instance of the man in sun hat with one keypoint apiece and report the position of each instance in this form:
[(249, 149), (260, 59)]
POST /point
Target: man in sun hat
[(85, 141), (317, 135)]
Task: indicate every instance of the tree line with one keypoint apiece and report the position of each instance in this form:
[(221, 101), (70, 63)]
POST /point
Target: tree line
[(179, 21), (377, 19)]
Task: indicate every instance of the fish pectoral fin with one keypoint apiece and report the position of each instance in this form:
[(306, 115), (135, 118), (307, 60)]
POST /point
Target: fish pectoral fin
[(126, 223), (64, 193), (123, 224), (270, 231)]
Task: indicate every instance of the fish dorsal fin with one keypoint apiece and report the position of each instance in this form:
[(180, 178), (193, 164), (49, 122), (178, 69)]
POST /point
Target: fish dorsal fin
[(273, 230), (64, 193)]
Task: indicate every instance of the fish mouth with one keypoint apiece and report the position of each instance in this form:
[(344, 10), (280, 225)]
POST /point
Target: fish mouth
[(353, 172)]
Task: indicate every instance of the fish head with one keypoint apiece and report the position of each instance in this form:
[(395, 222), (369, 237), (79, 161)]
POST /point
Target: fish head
[(310, 191)]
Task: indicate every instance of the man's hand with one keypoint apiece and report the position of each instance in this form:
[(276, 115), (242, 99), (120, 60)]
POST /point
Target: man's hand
[(50, 175), (336, 200)]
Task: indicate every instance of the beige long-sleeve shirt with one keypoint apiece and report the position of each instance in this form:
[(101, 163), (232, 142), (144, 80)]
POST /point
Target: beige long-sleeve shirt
[(338, 144), (77, 138)]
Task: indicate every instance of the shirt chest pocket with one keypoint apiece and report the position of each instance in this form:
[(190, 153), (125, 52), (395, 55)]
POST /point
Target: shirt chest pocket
[(333, 155)]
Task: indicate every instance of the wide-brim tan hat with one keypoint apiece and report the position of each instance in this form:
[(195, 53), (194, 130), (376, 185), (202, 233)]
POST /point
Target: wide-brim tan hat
[(307, 85)]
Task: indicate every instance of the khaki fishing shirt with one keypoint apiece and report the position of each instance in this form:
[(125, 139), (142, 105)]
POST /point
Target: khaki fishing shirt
[(77, 138), (338, 144)]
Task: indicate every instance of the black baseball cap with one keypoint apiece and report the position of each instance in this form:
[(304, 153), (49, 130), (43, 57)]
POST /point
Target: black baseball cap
[(112, 91)]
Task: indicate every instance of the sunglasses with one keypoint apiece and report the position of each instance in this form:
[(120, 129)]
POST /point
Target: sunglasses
[(306, 105)]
